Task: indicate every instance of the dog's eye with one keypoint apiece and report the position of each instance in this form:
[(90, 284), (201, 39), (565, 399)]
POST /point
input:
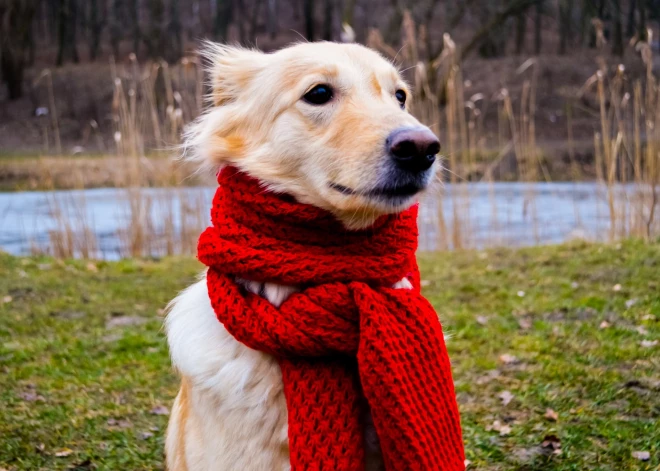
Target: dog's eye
[(401, 97), (319, 95)]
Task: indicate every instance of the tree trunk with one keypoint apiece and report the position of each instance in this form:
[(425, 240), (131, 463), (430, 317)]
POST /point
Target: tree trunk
[(564, 19), (97, 23), (521, 30), (134, 12), (617, 39), (175, 50), (254, 21), (222, 19), (16, 16), (272, 18), (66, 31), (309, 19), (630, 24), (538, 27), (327, 20), (154, 39), (642, 32)]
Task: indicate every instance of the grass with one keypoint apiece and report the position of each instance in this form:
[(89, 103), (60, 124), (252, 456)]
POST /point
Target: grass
[(85, 369)]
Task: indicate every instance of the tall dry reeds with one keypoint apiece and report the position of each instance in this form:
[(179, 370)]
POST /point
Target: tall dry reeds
[(152, 103)]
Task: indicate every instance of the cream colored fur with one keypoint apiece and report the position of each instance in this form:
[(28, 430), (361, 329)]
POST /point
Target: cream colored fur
[(230, 414)]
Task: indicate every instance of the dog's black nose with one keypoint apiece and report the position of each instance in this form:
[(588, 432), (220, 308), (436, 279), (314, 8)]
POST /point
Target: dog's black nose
[(413, 149)]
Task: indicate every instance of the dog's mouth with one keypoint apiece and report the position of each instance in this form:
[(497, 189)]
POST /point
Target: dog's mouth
[(393, 192)]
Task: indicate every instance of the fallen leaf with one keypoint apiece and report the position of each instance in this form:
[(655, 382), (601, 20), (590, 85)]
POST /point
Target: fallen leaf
[(616, 287), (121, 423), (508, 359), (521, 294), (483, 320), (630, 303), (500, 428), (146, 435), (160, 410), (7, 299), (63, 453), (641, 455), (551, 415), (525, 324), (648, 343), (489, 376), (604, 325), (91, 267), (648, 317), (506, 397), (466, 463), (641, 330), (31, 396), (575, 285), (551, 441)]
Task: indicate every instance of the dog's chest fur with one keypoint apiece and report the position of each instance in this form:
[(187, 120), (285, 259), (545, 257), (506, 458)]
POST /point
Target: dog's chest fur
[(231, 412)]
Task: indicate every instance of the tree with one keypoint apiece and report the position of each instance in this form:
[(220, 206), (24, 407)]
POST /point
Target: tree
[(565, 24), (617, 39), (538, 27), (154, 37), (309, 19), (175, 49), (222, 19), (96, 25), (271, 20), (521, 31), (67, 25), (15, 36), (327, 20)]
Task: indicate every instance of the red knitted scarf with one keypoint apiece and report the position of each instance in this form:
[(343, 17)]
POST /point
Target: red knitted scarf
[(346, 337)]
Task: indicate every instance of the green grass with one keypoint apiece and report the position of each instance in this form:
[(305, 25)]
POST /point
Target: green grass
[(74, 381)]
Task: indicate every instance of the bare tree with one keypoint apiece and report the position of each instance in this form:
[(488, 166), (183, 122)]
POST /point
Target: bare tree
[(538, 27), (617, 38), (328, 10), (223, 14), (67, 25), (309, 19), (271, 20), (15, 36), (521, 31), (97, 23), (154, 37), (565, 24), (174, 33)]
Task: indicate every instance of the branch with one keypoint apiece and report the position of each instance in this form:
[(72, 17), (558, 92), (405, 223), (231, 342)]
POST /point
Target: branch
[(514, 8)]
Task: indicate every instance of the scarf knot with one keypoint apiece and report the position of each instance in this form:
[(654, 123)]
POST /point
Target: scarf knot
[(347, 341)]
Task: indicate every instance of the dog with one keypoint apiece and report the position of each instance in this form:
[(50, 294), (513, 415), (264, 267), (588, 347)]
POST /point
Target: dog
[(327, 124)]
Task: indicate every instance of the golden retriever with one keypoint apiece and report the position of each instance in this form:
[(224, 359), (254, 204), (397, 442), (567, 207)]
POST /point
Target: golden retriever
[(328, 124)]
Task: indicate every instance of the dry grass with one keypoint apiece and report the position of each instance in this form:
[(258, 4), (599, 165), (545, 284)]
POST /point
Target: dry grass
[(152, 104), (627, 147)]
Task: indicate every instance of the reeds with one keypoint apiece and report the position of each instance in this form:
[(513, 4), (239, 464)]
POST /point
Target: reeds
[(152, 104)]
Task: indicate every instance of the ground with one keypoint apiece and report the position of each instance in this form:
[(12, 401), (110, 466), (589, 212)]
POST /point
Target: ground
[(555, 354)]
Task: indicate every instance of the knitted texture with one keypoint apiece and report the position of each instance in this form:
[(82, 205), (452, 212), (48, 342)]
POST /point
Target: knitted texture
[(347, 340)]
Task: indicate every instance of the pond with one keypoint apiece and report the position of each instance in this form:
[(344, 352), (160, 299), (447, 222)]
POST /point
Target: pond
[(110, 223)]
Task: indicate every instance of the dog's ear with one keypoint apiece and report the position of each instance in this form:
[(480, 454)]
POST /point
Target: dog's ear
[(231, 69)]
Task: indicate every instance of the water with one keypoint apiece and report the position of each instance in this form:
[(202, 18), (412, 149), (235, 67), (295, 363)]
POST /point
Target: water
[(498, 214)]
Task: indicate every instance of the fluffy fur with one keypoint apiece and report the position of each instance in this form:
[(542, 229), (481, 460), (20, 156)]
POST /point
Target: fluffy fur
[(230, 413)]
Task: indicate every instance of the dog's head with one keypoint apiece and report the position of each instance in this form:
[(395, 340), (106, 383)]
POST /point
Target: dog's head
[(324, 122)]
